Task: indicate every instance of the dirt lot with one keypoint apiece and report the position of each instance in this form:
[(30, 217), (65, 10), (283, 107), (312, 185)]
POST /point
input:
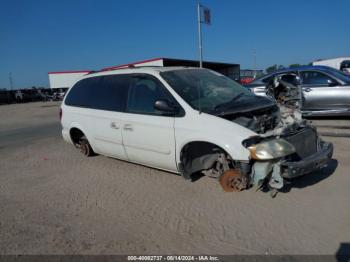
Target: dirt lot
[(53, 200)]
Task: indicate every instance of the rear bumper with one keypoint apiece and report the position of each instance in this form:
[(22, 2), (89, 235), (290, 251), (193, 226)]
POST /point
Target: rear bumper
[(66, 136), (308, 164)]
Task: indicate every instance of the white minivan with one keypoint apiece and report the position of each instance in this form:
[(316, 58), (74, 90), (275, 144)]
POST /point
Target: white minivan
[(191, 120)]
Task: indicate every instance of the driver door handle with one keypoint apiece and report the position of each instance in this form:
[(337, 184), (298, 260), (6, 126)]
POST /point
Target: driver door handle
[(114, 125), (307, 89), (128, 127)]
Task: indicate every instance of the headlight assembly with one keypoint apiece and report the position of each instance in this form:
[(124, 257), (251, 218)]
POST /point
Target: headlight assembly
[(271, 149)]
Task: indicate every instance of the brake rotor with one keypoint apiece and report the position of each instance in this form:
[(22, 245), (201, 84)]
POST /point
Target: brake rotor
[(232, 181)]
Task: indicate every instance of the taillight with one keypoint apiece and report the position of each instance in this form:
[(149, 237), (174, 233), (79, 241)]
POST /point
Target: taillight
[(60, 113)]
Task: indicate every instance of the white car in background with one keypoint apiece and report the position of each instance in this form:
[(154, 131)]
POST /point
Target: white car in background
[(190, 120)]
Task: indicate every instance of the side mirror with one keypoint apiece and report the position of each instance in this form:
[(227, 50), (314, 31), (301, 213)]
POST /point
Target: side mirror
[(165, 106)]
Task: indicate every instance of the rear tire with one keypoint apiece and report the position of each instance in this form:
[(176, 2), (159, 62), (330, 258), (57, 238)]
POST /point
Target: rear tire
[(85, 147)]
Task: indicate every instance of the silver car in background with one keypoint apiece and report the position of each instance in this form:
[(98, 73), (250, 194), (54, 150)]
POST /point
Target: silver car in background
[(325, 90)]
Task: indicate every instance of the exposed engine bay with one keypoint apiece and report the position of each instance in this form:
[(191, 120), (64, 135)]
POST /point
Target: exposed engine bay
[(286, 146), (260, 121), (280, 118)]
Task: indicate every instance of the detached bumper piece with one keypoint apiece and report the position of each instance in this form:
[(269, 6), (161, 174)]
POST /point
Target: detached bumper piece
[(308, 164)]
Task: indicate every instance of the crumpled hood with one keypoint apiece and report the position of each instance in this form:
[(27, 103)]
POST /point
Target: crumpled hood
[(256, 113)]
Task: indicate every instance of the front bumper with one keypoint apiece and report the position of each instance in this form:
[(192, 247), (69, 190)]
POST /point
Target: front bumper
[(308, 164)]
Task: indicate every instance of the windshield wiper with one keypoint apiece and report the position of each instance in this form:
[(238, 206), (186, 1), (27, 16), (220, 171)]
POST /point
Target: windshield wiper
[(228, 104)]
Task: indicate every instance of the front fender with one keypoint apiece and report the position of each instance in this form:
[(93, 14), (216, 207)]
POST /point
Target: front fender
[(214, 130), (235, 150)]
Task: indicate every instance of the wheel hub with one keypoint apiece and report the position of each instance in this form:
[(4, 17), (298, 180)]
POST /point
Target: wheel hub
[(232, 181)]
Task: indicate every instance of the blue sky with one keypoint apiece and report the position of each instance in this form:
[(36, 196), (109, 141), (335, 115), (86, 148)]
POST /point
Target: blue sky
[(38, 36)]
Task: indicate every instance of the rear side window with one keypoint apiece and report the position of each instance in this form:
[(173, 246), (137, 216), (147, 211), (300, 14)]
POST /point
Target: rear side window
[(111, 93), (315, 78), (102, 92)]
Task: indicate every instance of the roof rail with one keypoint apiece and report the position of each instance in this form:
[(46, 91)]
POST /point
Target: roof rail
[(123, 67), (130, 64), (116, 67)]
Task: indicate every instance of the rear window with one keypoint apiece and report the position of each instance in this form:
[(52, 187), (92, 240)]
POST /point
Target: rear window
[(102, 92), (81, 93)]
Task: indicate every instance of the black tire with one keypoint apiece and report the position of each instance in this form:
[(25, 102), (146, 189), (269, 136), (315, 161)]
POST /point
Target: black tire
[(85, 147)]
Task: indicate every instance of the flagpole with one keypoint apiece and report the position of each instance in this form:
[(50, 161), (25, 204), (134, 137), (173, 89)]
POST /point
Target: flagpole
[(200, 35)]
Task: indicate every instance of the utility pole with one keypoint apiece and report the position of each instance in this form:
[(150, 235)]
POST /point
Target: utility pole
[(200, 34), (11, 81), (254, 57), (206, 20)]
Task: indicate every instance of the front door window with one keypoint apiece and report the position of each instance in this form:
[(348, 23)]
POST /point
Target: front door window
[(143, 93)]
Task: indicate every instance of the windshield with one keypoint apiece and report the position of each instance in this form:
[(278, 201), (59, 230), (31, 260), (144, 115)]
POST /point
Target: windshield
[(339, 74), (204, 89)]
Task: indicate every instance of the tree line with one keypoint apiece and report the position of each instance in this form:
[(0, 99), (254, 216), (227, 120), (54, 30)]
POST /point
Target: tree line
[(279, 67)]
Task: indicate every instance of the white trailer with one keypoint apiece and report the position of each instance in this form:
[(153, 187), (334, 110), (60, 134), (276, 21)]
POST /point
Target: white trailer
[(65, 79), (333, 62)]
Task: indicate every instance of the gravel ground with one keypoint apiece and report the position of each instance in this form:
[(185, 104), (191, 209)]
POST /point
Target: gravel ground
[(53, 200)]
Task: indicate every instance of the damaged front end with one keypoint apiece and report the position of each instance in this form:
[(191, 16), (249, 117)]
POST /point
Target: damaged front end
[(286, 156), (293, 148), (286, 146)]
